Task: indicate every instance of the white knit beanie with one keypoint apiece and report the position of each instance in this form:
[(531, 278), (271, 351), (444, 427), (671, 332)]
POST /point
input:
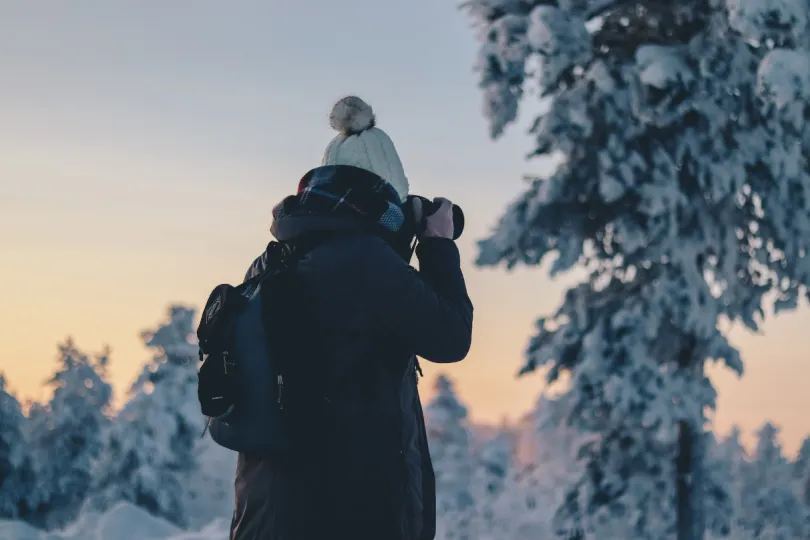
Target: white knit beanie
[(362, 145)]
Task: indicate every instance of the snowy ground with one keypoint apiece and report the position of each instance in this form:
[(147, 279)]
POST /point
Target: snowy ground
[(122, 522)]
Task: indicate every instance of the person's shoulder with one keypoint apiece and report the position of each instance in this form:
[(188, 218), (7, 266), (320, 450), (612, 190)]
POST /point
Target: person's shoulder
[(369, 249), (363, 240)]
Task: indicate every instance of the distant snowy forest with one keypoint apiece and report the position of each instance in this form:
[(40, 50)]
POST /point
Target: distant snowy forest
[(74, 456)]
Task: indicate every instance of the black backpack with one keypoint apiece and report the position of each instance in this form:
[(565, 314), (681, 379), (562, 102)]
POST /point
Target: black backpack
[(241, 380)]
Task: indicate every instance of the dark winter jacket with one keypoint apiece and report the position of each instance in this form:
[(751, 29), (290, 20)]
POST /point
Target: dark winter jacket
[(362, 468)]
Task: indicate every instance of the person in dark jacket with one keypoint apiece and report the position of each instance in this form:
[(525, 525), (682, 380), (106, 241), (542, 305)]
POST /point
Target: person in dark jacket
[(361, 469)]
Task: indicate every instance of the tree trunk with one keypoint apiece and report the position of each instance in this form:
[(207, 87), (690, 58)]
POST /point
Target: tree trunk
[(698, 488), (683, 466), (688, 466)]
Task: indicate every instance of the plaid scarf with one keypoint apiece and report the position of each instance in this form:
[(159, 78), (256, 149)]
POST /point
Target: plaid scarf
[(342, 190)]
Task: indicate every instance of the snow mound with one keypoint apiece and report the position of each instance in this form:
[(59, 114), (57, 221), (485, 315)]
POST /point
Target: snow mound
[(127, 522), (15, 530), (121, 522), (216, 530)]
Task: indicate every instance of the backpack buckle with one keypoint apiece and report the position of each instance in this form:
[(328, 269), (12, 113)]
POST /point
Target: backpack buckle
[(287, 250), (279, 253)]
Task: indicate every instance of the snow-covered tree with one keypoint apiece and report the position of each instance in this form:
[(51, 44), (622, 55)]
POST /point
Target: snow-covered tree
[(18, 488), (546, 467), (67, 435), (731, 451), (150, 446), (208, 490), (492, 478), (769, 506), (683, 193), (801, 472), (725, 459), (449, 437)]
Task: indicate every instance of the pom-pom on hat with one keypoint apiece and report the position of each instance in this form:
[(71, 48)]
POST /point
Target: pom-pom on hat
[(361, 144)]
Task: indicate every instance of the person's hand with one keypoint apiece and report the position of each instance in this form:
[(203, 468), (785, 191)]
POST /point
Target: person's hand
[(440, 223)]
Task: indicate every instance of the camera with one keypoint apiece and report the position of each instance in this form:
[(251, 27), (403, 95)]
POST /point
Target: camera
[(429, 208)]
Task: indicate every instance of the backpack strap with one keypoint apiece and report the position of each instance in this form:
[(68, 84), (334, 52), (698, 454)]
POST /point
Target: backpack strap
[(283, 254)]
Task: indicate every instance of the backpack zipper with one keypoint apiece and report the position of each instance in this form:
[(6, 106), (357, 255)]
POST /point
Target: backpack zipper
[(279, 390)]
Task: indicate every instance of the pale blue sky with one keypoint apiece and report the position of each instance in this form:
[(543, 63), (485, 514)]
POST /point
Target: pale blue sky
[(142, 146)]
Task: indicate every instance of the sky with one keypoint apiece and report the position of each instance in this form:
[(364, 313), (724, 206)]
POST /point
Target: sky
[(143, 145)]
